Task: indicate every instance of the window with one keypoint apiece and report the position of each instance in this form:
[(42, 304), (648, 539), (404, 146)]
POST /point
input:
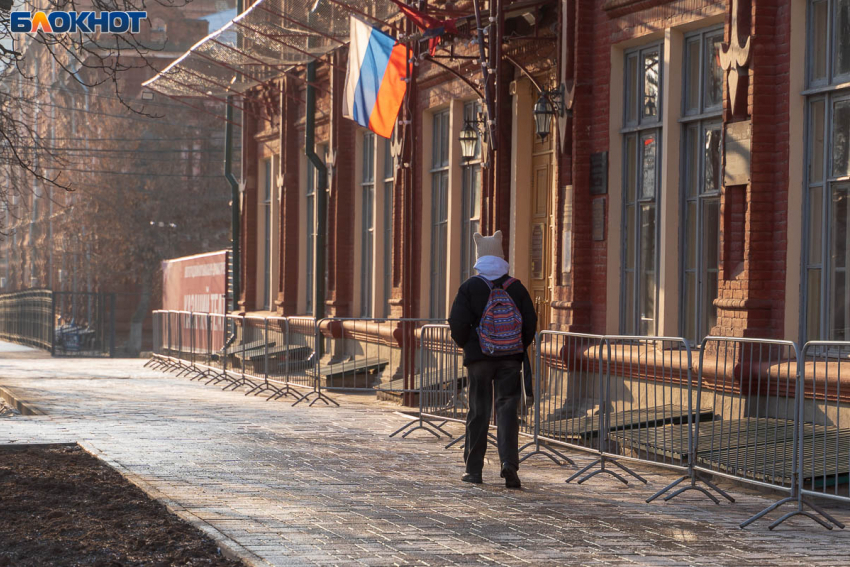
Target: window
[(439, 213), (702, 103), (266, 216), (367, 232), (159, 30), (389, 179), (827, 250), (312, 180), (471, 186), (641, 182)]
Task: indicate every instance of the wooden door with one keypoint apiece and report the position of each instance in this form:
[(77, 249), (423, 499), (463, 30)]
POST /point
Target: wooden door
[(542, 219)]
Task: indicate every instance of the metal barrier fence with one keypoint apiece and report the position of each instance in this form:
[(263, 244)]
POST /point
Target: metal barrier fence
[(26, 317), (283, 356), (751, 435), (441, 383), (824, 451), (568, 393), (360, 354), (759, 411), (85, 324), (647, 383), (64, 323)]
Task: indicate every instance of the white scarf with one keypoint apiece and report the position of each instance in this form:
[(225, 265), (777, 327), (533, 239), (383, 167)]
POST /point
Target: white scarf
[(491, 267)]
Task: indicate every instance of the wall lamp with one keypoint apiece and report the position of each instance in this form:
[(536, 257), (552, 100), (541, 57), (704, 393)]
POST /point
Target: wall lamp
[(470, 135), (549, 104)]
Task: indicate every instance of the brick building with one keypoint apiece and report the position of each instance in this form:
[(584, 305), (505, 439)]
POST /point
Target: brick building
[(696, 182), (138, 180)]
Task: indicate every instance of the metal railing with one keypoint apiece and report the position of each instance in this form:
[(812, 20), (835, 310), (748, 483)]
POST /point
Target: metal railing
[(369, 354), (824, 431), (64, 323), (753, 382), (759, 411), (568, 389), (440, 383), (26, 317), (291, 356)]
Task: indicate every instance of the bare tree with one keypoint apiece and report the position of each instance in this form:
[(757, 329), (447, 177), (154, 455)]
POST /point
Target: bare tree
[(88, 60)]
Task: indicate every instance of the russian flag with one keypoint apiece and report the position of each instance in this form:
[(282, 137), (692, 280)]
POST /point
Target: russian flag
[(374, 85)]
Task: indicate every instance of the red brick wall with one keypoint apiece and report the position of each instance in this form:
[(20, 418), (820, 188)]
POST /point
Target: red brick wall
[(754, 233), (753, 225), (340, 244)]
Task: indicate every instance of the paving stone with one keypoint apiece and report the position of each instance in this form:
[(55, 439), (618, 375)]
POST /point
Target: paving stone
[(327, 486)]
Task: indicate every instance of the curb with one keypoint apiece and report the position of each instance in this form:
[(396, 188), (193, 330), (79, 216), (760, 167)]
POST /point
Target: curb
[(26, 408), (229, 547)]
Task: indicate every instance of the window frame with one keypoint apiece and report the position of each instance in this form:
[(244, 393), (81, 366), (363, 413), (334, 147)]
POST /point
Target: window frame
[(439, 171), (367, 225), (703, 119), (266, 204), (388, 181), (829, 91), (637, 129)]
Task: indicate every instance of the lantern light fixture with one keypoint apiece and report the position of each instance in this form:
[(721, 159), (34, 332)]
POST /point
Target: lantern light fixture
[(469, 139), (548, 105)]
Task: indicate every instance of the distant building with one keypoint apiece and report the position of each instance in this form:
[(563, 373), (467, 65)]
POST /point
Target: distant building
[(145, 188)]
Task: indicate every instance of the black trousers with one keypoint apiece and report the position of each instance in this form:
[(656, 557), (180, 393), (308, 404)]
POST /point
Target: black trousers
[(485, 378)]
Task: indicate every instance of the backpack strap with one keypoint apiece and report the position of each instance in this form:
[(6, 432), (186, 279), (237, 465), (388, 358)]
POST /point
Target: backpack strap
[(488, 282), (508, 283)]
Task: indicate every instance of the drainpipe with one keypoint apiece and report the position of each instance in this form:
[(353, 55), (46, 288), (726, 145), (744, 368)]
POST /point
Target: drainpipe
[(321, 192), (234, 208), (234, 193)]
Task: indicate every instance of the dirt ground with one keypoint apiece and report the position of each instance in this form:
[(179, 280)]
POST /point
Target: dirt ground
[(59, 506)]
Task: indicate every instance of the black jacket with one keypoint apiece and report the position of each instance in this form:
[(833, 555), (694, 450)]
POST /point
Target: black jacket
[(468, 308)]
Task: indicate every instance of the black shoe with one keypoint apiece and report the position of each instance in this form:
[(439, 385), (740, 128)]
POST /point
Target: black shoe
[(511, 478), (472, 477)]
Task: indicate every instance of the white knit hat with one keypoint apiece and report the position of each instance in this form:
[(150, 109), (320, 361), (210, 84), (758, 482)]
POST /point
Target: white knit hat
[(488, 245)]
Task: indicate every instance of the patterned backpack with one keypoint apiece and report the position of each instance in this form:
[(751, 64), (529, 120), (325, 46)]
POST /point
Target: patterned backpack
[(500, 329)]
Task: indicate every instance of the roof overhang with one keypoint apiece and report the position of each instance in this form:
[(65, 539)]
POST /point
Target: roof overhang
[(262, 44)]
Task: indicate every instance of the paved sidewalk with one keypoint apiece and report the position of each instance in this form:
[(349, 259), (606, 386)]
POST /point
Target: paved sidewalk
[(326, 486)]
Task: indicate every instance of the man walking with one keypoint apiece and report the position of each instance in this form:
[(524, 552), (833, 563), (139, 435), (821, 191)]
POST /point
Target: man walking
[(494, 321)]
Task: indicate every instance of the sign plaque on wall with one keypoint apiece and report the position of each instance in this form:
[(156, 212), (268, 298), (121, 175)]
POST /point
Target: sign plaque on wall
[(736, 149), (566, 252), (537, 235), (598, 219), (599, 173)]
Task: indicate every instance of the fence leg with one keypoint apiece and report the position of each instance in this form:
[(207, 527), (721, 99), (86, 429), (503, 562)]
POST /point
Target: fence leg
[(264, 386), (601, 462), (797, 478), (692, 486), (491, 439), (799, 511), (320, 397), (540, 449), (317, 387), (421, 423), (286, 390), (604, 427)]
